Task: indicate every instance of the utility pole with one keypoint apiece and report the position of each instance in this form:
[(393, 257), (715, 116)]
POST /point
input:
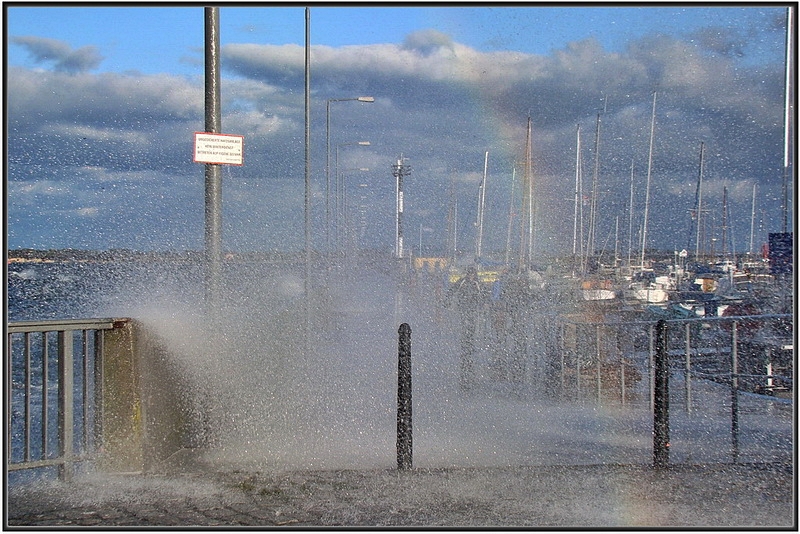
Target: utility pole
[(399, 170), (307, 195), (213, 174)]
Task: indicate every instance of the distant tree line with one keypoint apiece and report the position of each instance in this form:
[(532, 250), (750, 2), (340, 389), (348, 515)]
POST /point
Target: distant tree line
[(120, 254), (72, 254)]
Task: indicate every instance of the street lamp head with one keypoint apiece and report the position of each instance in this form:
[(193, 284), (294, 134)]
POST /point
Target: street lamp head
[(364, 143), (366, 99)]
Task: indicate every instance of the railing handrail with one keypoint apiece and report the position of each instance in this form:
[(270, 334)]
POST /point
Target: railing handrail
[(53, 325), (715, 318), (66, 455)]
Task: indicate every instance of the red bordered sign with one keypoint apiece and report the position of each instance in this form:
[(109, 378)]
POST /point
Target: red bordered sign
[(219, 149)]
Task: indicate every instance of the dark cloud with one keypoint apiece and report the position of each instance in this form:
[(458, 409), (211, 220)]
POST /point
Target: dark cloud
[(58, 53), (437, 102), (428, 42), (721, 40)]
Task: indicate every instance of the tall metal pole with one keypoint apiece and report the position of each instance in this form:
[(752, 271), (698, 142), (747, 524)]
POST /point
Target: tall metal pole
[(510, 216), (213, 176), (399, 171), (339, 196), (787, 126), (404, 405), (590, 249), (577, 198), (649, 174), (527, 204), (752, 219), (529, 180), (328, 176), (307, 200), (328, 159), (630, 216), (661, 398), (481, 207), (698, 204)]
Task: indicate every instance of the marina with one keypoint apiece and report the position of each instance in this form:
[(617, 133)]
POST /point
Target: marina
[(450, 309)]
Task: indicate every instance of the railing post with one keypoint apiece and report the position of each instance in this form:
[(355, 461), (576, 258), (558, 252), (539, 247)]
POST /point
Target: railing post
[(577, 365), (650, 351), (734, 392), (598, 355), (122, 423), (404, 435), (622, 379), (562, 346), (97, 377), (66, 407), (688, 368), (661, 399), (27, 355), (9, 397), (45, 394)]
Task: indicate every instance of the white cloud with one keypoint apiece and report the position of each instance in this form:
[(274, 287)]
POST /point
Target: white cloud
[(60, 54), (438, 102)]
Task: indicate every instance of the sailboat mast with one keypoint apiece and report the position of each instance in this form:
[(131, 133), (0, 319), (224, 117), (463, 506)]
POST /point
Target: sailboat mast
[(510, 215), (595, 179), (724, 222), (526, 234), (529, 181), (481, 207), (698, 202), (649, 175), (630, 218), (787, 108), (451, 229), (577, 197), (455, 230), (752, 219)]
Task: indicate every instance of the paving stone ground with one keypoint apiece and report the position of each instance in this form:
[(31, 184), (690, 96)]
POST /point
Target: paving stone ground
[(759, 496)]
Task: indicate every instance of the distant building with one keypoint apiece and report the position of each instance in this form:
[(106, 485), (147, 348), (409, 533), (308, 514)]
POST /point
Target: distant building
[(781, 252)]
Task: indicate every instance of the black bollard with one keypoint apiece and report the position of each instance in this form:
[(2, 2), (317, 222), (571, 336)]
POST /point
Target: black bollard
[(404, 441), (661, 399)]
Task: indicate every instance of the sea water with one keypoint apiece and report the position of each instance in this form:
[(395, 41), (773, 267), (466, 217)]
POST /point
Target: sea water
[(279, 381)]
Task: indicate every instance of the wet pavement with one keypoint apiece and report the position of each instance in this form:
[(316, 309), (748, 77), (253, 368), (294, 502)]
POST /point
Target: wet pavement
[(578, 496)]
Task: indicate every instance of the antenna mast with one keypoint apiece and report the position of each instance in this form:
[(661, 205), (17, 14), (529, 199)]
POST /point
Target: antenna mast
[(399, 170)]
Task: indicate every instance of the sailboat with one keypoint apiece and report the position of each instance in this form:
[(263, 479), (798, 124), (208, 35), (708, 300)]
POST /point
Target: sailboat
[(593, 287), (645, 286)]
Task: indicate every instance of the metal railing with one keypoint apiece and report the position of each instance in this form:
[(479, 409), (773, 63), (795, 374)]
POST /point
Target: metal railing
[(597, 358), (748, 354), (55, 374), (53, 385)]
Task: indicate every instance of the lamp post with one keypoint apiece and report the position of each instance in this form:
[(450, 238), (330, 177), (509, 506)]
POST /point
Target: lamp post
[(362, 214), (346, 231), (337, 187), (328, 158)]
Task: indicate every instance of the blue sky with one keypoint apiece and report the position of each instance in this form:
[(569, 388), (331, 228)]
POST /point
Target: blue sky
[(102, 102), (170, 36)]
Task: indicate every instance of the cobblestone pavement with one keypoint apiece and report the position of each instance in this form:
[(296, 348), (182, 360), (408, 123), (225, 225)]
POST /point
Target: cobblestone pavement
[(718, 495)]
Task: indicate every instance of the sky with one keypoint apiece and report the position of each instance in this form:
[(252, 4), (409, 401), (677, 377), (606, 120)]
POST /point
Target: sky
[(102, 104)]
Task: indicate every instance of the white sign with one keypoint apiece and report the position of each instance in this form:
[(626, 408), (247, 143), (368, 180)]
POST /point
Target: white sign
[(220, 149)]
